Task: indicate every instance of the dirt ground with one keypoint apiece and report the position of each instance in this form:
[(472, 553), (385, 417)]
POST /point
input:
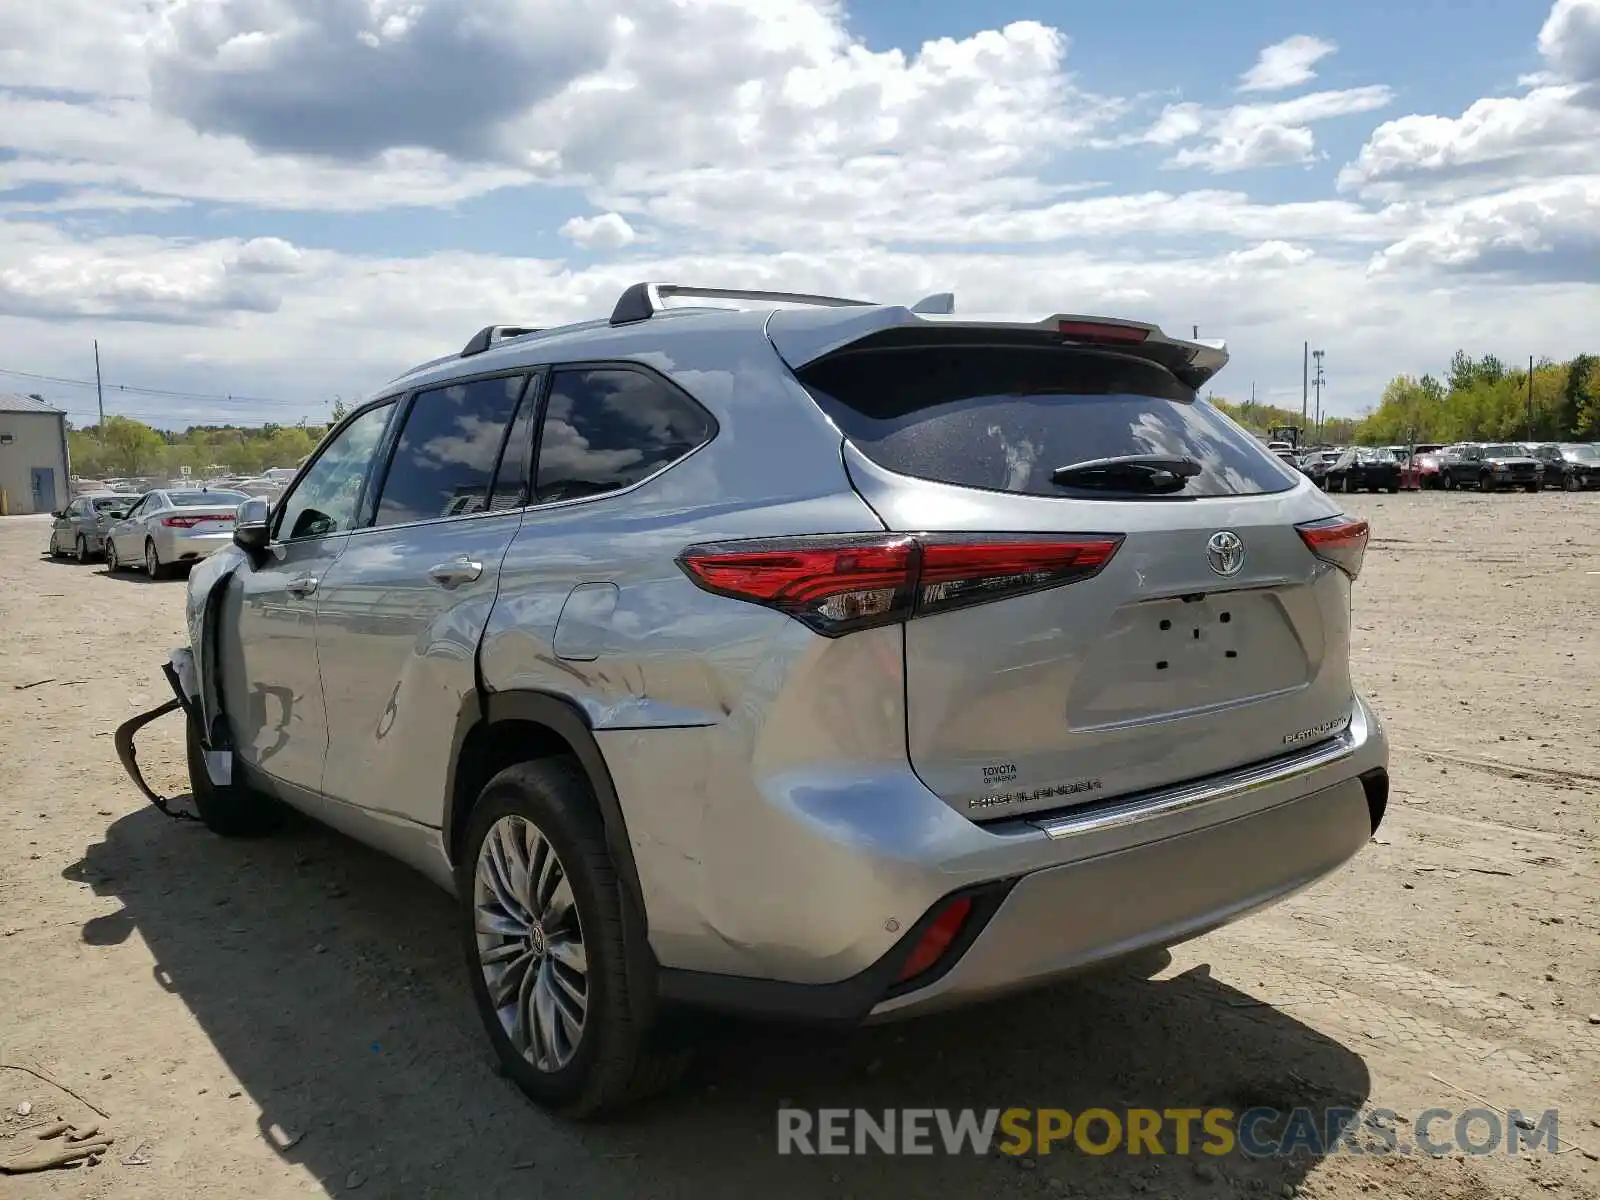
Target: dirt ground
[(290, 1016)]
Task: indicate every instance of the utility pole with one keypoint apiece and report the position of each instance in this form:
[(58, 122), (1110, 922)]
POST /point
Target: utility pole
[(1305, 386), (98, 393), (1317, 382), (1530, 397), (1194, 332)]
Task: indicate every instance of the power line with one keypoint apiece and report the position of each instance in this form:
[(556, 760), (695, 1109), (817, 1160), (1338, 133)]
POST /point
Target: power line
[(133, 389)]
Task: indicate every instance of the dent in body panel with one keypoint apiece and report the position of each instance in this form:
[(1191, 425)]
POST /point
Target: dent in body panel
[(781, 842)]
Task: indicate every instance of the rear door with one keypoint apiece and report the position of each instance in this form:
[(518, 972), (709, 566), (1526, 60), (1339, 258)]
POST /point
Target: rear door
[(1213, 638), (400, 614)]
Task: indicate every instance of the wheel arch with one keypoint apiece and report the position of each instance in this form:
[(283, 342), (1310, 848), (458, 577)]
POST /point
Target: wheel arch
[(499, 729)]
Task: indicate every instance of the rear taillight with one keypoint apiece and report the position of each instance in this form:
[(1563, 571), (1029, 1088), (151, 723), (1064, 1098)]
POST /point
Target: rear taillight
[(189, 521), (839, 583), (1341, 541), (931, 946)]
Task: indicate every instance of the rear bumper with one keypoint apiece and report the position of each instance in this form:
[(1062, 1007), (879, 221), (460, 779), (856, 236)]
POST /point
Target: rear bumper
[(1059, 921), (181, 547), (1051, 895)]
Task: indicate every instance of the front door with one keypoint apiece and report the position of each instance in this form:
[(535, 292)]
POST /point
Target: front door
[(400, 614), (44, 489), (272, 685)]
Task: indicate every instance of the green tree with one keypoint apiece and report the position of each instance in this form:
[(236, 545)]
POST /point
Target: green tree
[(131, 447)]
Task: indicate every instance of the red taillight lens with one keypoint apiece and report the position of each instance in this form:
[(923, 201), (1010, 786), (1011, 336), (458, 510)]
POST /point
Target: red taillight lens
[(189, 521), (1341, 541), (839, 583), (1103, 331), (932, 945)]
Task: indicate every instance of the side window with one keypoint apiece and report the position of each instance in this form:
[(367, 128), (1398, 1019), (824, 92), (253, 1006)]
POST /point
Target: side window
[(138, 507), (325, 500), (607, 428), (75, 508), (445, 457)]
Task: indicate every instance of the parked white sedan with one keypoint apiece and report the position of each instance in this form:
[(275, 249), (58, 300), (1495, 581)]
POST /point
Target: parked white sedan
[(168, 529)]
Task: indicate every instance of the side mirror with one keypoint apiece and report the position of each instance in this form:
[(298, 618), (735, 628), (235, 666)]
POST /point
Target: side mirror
[(59, 513), (251, 530)]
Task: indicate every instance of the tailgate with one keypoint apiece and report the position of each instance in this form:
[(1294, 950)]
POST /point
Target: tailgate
[(1213, 638)]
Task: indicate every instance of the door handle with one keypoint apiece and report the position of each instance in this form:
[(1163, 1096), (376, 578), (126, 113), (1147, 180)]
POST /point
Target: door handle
[(302, 586), (455, 573)]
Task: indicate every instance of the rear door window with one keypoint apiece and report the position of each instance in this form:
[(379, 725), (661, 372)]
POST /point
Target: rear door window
[(1005, 419), (607, 428), (445, 458)]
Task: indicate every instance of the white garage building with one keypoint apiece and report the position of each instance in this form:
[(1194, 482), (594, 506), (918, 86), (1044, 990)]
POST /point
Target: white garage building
[(33, 456)]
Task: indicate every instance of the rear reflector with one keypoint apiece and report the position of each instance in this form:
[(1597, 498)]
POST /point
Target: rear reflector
[(839, 583), (932, 945), (1341, 541), (1104, 332)]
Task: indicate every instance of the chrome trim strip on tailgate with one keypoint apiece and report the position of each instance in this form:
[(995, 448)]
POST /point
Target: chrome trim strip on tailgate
[(1151, 805)]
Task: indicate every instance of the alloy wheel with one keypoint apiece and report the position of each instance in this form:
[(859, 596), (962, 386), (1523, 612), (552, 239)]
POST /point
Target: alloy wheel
[(530, 943)]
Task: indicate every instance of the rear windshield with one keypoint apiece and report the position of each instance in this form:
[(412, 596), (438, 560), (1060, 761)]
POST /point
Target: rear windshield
[(202, 499), (107, 503), (1005, 419)]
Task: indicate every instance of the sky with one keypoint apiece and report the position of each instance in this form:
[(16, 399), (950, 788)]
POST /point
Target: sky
[(256, 206)]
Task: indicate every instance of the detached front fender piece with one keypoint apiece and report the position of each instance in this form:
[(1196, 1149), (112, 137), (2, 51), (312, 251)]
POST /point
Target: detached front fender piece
[(194, 674)]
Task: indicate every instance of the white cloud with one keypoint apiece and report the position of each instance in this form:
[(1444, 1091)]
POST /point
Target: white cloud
[(1570, 40), (608, 231), (1248, 136), (45, 274), (1547, 230), (1286, 64), (1551, 131)]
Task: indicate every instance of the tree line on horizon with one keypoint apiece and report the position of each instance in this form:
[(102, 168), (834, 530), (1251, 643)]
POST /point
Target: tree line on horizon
[(1478, 400)]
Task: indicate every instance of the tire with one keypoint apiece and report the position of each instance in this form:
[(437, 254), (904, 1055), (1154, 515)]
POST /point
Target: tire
[(1485, 483), (112, 565), (1532, 487), (611, 1061), (80, 549), (54, 551), (232, 810), (1570, 483), (1449, 483), (153, 566), (1394, 488)]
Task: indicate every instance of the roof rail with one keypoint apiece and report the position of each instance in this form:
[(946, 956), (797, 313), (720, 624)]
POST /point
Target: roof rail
[(643, 300), (490, 334)]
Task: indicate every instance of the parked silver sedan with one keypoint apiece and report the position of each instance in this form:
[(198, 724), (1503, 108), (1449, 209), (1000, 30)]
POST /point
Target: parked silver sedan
[(80, 528), (166, 529)]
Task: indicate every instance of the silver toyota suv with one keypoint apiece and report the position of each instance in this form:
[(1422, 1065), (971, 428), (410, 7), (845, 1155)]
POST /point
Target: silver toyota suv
[(796, 656)]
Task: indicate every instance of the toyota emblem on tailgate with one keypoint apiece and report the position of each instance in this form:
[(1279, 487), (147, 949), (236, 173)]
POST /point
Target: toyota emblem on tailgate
[(1225, 552)]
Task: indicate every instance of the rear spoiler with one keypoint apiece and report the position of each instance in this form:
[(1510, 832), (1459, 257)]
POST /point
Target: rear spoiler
[(805, 337)]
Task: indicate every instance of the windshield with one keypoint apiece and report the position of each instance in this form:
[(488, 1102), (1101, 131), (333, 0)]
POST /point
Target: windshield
[(202, 499), (1582, 453), (1504, 451)]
